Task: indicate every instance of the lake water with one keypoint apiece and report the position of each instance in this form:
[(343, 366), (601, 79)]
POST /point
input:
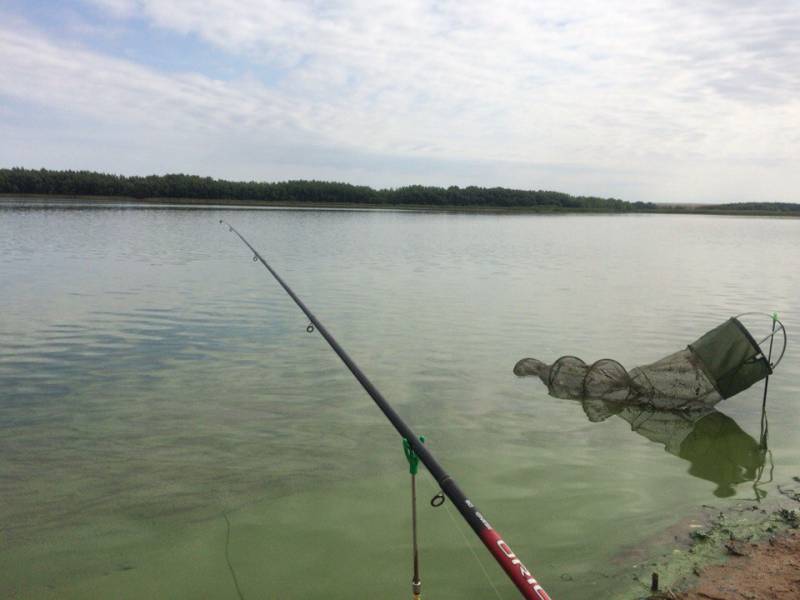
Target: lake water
[(155, 381)]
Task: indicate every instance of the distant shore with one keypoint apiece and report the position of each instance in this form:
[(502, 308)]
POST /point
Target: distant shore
[(180, 189), (698, 209)]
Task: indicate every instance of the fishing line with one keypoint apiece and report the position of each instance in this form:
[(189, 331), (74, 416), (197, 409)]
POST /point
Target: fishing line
[(228, 556), (466, 543)]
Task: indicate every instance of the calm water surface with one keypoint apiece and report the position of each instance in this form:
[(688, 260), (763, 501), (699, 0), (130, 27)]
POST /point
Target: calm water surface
[(153, 379)]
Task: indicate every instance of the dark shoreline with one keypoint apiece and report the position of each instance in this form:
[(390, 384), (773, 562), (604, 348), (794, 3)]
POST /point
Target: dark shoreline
[(6, 198)]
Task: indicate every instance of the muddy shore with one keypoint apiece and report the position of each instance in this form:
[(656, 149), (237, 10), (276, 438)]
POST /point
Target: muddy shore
[(768, 570), (751, 552)]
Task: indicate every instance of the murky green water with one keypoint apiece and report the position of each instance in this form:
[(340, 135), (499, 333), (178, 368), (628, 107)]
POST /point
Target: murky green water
[(153, 379)]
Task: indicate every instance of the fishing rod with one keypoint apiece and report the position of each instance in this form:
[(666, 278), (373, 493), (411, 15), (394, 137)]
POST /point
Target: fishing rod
[(519, 574)]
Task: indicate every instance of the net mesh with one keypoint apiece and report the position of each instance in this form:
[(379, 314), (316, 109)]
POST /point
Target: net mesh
[(721, 363), (675, 381)]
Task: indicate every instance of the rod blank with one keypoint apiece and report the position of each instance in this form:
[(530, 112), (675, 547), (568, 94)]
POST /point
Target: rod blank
[(500, 550)]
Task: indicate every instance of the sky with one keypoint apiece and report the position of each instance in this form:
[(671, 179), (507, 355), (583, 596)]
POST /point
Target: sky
[(662, 101)]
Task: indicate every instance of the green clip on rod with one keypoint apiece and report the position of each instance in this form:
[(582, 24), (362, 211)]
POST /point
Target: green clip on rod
[(413, 468)]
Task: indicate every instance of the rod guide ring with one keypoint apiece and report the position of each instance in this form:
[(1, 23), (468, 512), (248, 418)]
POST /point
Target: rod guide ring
[(437, 500)]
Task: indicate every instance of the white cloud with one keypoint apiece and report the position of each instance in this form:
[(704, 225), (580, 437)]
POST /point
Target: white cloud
[(111, 90), (647, 93)]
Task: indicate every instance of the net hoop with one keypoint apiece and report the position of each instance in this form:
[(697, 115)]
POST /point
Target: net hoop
[(779, 327)]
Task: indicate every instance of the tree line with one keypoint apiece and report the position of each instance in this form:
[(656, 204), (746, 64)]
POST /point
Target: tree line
[(192, 187), (763, 207)]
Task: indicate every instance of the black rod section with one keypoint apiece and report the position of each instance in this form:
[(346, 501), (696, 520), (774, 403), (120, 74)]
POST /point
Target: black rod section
[(502, 553)]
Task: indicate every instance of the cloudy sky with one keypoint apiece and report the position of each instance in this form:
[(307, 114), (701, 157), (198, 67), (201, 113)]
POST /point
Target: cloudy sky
[(685, 101)]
